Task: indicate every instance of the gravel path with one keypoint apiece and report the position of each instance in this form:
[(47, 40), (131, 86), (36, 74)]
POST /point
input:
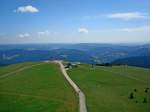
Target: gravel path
[(82, 99)]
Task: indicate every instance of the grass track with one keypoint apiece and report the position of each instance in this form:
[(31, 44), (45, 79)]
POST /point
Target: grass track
[(14, 67)]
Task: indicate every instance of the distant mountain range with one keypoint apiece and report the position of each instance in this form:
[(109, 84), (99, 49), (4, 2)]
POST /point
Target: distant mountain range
[(86, 53), (140, 61), (19, 55)]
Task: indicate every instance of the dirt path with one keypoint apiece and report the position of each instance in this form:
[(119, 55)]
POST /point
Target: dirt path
[(19, 70), (82, 99)]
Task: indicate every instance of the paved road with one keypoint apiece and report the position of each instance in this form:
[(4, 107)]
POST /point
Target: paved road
[(82, 99), (19, 70)]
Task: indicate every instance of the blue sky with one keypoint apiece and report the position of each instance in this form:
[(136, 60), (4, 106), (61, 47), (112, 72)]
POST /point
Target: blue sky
[(74, 21)]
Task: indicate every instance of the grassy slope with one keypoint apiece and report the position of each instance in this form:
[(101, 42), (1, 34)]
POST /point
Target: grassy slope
[(13, 67), (38, 89), (107, 88)]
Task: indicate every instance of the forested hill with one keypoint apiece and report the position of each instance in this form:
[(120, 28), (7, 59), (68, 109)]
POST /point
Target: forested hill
[(140, 61)]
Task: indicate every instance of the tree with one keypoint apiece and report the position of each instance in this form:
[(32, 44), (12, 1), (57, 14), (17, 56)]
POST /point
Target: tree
[(145, 100), (146, 90), (135, 90), (131, 95)]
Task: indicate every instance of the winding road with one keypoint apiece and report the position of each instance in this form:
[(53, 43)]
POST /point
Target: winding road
[(82, 99)]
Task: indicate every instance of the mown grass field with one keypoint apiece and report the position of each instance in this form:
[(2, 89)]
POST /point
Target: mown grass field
[(107, 89), (38, 89)]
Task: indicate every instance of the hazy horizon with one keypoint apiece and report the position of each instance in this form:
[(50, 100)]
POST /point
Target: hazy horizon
[(119, 44)]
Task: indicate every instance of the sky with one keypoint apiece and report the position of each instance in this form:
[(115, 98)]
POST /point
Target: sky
[(74, 21)]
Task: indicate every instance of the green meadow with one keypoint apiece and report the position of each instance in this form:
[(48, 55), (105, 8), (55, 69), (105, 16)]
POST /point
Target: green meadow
[(40, 88), (109, 89)]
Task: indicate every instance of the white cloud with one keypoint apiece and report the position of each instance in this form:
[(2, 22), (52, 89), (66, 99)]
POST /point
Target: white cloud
[(1, 34), (46, 32), (137, 29), (92, 17), (128, 15), (24, 35), (27, 9), (83, 30)]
